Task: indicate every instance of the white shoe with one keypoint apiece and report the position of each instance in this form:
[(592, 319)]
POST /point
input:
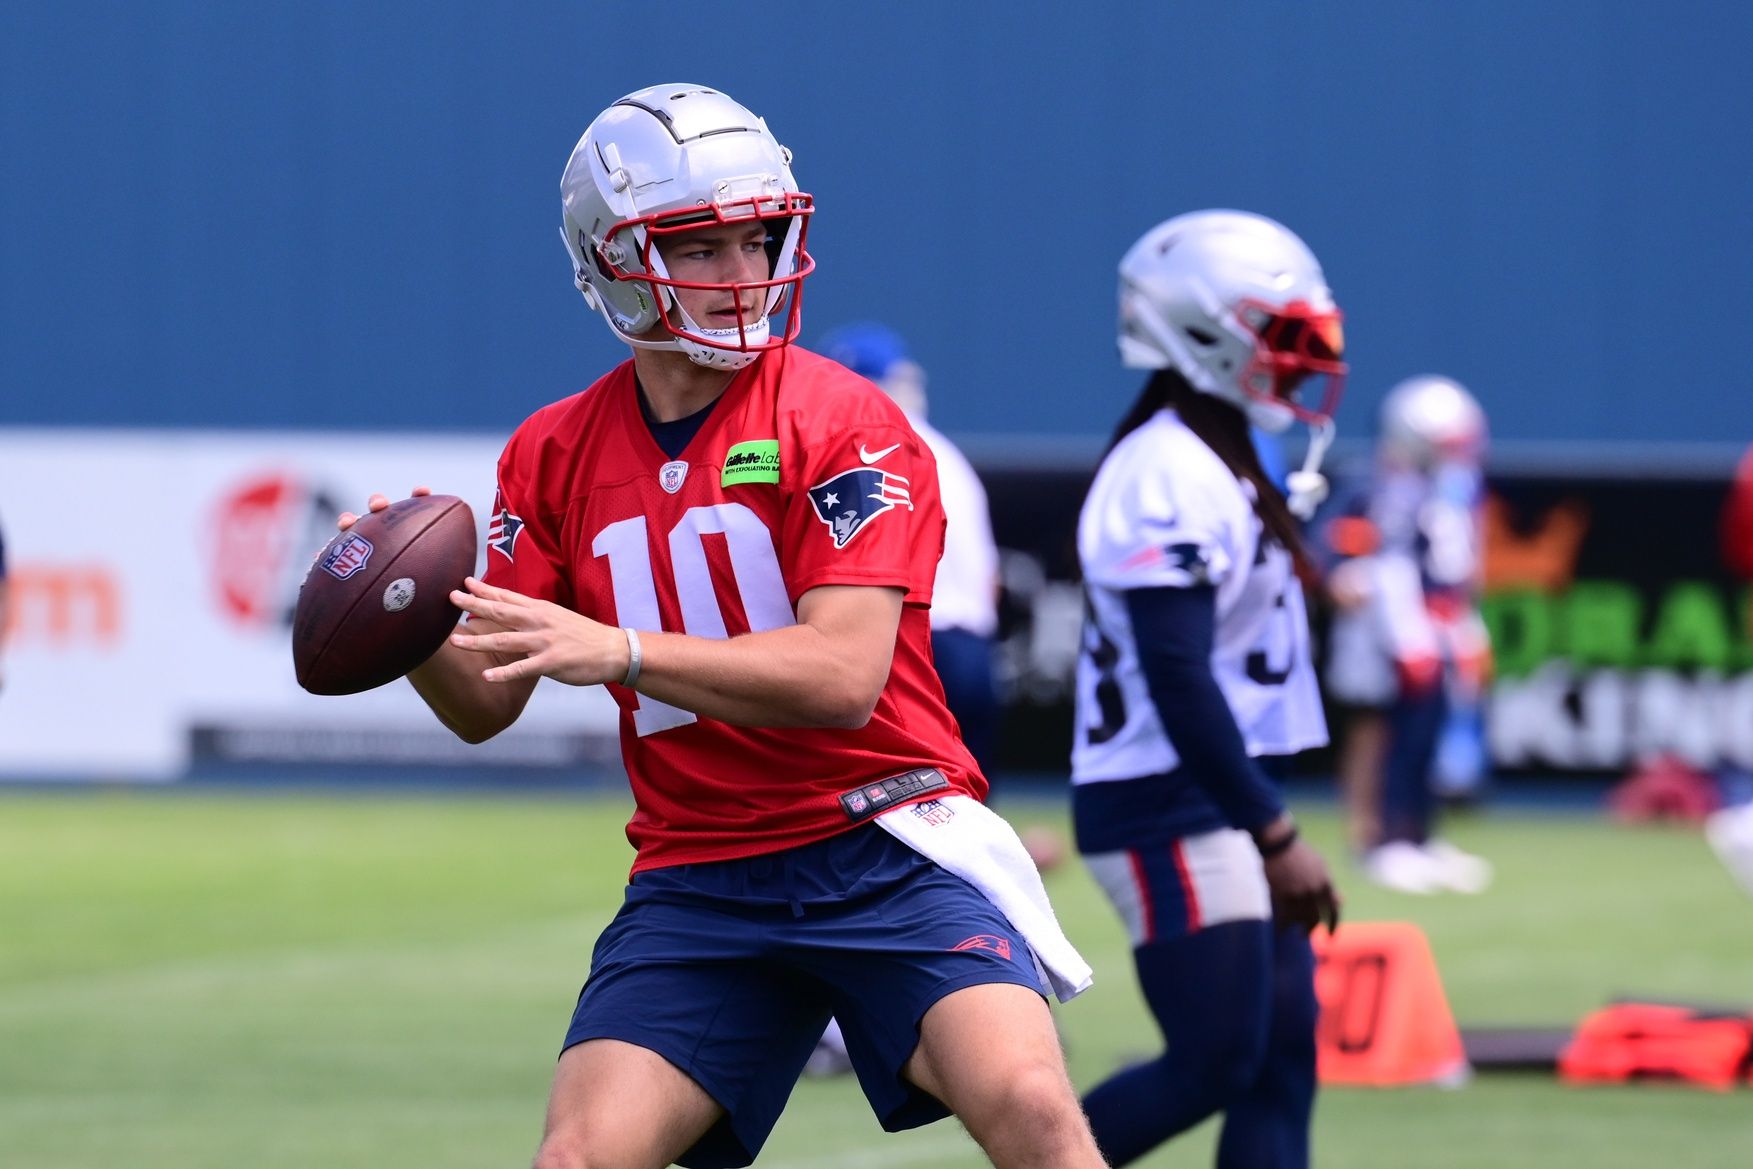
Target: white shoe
[(1403, 867), (1730, 832), (1457, 870)]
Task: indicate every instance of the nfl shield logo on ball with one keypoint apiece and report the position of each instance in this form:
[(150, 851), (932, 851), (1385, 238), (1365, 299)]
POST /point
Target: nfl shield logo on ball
[(347, 557), (670, 476), (399, 595)]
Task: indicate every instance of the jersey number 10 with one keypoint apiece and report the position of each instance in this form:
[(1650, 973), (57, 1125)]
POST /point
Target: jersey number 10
[(760, 585)]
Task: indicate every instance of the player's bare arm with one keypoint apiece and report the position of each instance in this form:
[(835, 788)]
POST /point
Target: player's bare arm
[(450, 680), (828, 670)]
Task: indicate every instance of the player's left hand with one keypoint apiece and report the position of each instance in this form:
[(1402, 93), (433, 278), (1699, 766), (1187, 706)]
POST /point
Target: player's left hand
[(555, 642), (1302, 888)]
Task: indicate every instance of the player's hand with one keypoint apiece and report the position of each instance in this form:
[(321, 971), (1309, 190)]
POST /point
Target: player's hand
[(1302, 888), (1420, 674), (1349, 584), (377, 502), (554, 641)]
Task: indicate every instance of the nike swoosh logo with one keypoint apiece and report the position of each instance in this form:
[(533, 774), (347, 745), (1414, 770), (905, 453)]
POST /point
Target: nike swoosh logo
[(870, 456)]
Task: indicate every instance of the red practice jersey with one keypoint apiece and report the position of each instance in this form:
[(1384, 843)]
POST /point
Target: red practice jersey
[(804, 474), (1737, 521)]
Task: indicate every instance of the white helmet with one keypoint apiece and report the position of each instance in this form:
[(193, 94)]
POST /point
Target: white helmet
[(1237, 304), (669, 159), (1428, 419)]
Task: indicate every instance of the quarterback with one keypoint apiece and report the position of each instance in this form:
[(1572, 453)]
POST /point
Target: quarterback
[(738, 538), (1196, 667)]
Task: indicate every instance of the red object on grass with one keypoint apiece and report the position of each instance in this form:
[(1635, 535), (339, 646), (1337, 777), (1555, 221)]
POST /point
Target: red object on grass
[(1665, 788)]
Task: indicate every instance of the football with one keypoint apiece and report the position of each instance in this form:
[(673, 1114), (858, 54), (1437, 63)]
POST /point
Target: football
[(376, 601)]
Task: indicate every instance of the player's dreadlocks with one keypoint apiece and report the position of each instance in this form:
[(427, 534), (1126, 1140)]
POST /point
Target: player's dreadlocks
[(1224, 429)]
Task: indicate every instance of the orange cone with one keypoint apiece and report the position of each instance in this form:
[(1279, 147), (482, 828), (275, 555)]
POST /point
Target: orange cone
[(1384, 1017)]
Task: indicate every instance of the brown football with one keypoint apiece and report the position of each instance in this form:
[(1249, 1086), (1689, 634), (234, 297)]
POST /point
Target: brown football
[(376, 601)]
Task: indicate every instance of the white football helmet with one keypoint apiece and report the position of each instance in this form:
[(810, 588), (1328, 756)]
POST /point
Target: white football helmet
[(1430, 419), (1238, 305), (669, 159)]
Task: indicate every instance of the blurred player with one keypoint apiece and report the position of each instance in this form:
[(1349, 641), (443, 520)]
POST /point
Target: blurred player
[(1408, 651), (964, 594), (1195, 668), (1730, 828), (738, 538), (5, 609)]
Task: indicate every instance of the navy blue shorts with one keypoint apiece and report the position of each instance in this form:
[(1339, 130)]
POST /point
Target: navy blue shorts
[(730, 971)]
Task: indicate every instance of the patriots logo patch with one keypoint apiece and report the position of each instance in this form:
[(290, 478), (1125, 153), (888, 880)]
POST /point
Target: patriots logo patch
[(1189, 558), (503, 529), (853, 498)]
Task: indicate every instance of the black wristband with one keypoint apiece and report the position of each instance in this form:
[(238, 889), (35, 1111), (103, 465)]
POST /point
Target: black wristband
[(1268, 851)]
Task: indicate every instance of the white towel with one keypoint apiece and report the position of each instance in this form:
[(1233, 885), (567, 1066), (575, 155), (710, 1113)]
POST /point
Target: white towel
[(964, 836)]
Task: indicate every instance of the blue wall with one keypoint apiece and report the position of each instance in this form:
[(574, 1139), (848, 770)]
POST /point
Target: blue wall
[(344, 213)]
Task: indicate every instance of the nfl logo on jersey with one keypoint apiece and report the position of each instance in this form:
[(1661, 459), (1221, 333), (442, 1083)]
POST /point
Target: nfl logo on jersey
[(670, 476), (851, 499)]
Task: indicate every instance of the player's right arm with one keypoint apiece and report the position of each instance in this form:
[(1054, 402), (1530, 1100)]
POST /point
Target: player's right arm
[(473, 708), (450, 680)]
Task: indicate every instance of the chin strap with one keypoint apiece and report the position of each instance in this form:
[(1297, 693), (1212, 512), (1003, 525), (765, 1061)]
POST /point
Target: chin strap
[(1307, 488)]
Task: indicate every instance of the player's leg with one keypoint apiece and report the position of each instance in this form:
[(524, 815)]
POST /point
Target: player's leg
[(938, 998), (615, 1105), (1407, 800), (1360, 678), (1209, 992), (1197, 910), (687, 1038), (1267, 1126), (1013, 1096), (1363, 750), (1400, 862)]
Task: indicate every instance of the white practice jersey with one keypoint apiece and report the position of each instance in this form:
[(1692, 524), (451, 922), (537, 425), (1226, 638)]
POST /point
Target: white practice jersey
[(965, 593), (1165, 511)]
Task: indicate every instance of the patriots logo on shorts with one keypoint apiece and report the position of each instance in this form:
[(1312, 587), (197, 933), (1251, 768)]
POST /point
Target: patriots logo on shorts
[(851, 499), (503, 529), (989, 942)]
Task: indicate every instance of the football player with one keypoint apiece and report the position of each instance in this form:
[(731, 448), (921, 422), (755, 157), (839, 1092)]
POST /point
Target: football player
[(1408, 651), (964, 594), (5, 609), (738, 538), (1730, 829), (1195, 673)]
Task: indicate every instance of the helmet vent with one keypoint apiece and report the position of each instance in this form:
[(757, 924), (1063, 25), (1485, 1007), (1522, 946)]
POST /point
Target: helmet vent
[(1201, 336)]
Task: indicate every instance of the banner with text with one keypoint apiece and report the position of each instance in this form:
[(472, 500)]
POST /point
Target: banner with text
[(153, 576)]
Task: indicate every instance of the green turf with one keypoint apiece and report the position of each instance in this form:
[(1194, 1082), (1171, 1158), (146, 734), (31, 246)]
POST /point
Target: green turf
[(193, 981)]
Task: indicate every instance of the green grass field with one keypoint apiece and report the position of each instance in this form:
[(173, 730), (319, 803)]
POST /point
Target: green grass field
[(196, 981)]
